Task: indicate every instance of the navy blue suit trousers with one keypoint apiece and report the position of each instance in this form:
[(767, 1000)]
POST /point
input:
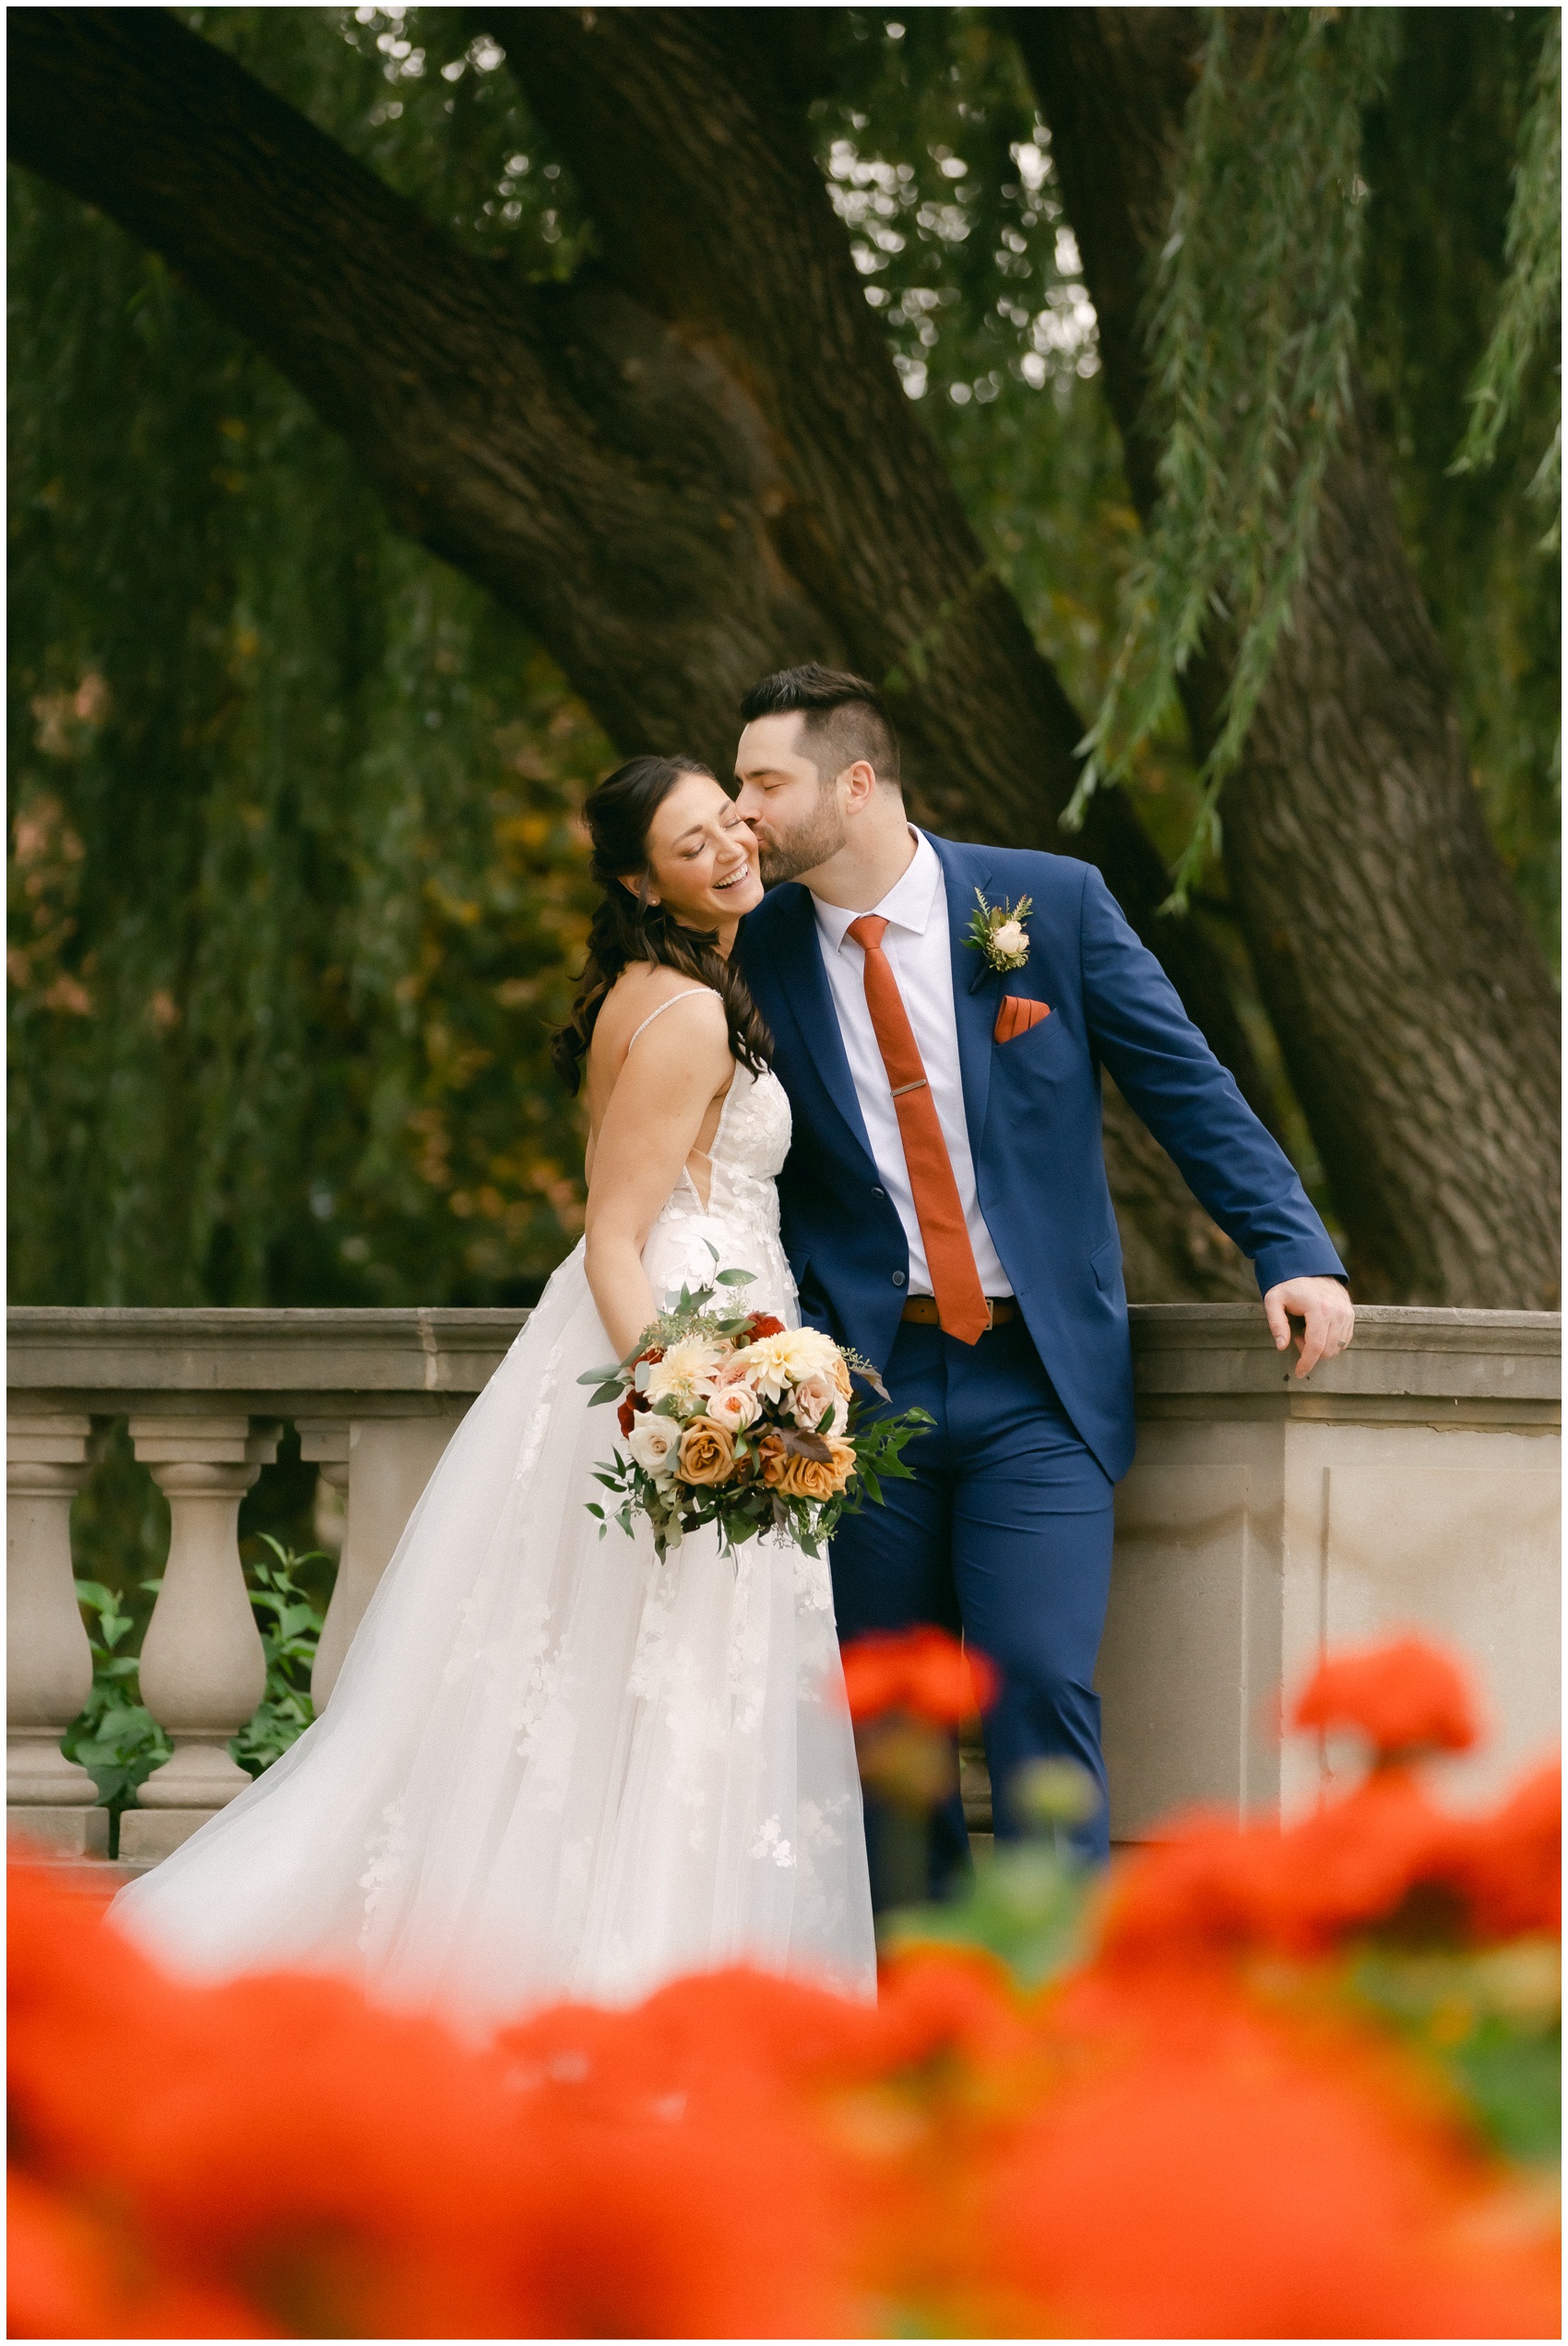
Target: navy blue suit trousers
[(1005, 1534)]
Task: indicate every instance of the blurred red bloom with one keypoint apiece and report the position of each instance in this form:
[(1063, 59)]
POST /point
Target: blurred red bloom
[(1507, 1867), (762, 1324), (1404, 1697), (1173, 2138), (1371, 1861), (1221, 2173), (921, 1671), (263, 2142)]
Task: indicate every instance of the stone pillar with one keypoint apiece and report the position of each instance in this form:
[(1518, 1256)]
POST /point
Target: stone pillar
[(1412, 1484), (48, 1660), (384, 1463), (203, 1671)]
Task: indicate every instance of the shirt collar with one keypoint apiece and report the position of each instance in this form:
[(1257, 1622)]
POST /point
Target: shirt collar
[(906, 905)]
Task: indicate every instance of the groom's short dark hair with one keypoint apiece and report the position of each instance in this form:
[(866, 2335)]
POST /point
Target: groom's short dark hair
[(845, 719)]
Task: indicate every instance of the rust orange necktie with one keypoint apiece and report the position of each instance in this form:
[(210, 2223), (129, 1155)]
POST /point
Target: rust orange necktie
[(950, 1259)]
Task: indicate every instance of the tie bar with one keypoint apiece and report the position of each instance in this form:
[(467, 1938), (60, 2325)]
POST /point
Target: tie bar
[(899, 1088)]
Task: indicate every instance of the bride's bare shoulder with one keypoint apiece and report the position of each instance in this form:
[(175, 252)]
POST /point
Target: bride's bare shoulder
[(642, 989)]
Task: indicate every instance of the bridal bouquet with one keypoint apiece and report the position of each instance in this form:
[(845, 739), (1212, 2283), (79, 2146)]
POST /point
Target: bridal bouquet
[(735, 1420)]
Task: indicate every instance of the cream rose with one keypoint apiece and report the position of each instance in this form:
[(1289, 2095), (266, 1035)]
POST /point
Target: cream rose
[(734, 1407), (812, 1396), (652, 1443), (1010, 938), (707, 1454)]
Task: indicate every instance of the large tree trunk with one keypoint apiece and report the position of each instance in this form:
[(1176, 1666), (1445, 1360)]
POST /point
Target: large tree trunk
[(1416, 1016), (690, 466)]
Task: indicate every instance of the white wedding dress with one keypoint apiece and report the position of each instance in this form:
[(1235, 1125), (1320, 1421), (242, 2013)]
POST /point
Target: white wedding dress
[(553, 1767)]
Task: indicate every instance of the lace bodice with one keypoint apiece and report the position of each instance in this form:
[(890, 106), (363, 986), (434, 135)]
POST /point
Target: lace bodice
[(741, 1215)]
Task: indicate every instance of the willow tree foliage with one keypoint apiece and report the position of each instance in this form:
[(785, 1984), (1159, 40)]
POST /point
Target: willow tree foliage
[(298, 886), (296, 883), (1255, 319), (1252, 330)]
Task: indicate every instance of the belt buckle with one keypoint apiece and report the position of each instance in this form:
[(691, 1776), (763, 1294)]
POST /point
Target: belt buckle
[(989, 1313)]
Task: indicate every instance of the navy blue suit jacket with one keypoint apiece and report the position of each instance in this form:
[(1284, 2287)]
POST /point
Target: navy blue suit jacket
[(1033, 1107)]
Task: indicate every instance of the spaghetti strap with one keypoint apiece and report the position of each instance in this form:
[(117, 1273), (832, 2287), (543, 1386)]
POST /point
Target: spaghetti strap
[(684, 997)]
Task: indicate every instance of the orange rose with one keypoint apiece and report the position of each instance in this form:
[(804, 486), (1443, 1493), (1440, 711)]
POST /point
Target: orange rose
[(802, 1478), (772, 1458), (708, 1453)]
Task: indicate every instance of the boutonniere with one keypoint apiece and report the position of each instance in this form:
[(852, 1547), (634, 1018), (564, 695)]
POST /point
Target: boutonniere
[(997, 930)]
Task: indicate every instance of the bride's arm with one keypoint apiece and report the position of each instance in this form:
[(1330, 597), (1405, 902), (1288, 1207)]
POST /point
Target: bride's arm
[(665, 1088)]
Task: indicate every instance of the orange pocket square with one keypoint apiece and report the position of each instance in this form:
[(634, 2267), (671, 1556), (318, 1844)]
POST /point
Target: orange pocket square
[(1016, 1016)]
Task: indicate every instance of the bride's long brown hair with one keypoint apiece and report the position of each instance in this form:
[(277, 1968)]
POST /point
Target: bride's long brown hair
[(628, 927)]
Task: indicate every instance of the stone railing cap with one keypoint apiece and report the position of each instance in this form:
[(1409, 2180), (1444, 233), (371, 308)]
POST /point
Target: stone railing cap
[(1177, 1347), (1423, 1351), (209, 1350)]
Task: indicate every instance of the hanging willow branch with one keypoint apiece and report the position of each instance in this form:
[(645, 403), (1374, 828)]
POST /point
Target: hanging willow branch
[(1532, 290), (1251, 328)]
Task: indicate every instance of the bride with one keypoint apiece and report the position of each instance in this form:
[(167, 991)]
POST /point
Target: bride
[(553, 1767)]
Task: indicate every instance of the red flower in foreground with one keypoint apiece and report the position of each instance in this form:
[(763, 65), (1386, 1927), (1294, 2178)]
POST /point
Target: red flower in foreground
[(1211, 2170), (287, 2160), (1373, 1860), (1507, 1868), (1404, 1697), (923, 1671), (1168, 2140), (762, 1324)]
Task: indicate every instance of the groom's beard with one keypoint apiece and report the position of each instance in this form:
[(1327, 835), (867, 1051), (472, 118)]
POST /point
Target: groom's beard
[(784, 855)]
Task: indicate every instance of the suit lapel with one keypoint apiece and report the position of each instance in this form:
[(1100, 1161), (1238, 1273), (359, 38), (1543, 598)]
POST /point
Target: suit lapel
[(798, 992), (964, 869)]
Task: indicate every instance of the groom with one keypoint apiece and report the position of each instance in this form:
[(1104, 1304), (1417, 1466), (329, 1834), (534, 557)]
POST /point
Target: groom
[(945, 1208)]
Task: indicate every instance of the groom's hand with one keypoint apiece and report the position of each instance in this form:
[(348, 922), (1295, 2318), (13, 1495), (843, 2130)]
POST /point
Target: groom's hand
[(1325, 1311)]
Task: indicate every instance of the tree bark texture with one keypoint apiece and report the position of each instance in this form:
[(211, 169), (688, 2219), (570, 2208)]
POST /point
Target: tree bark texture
[(690, 466), (1416, 1014)]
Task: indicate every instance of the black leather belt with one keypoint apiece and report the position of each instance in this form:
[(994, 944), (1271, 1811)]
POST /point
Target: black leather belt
[(922, 1310)]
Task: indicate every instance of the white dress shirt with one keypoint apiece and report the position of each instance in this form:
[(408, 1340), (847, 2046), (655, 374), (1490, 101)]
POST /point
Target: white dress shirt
[(919, 947)]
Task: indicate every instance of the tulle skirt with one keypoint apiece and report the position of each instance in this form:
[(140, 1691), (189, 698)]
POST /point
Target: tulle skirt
[(551, 1767)]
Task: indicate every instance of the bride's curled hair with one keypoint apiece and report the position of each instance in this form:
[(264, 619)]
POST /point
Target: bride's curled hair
[(628, 927)]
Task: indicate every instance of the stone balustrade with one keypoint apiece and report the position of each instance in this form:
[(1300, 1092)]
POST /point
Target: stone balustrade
[(376, 1396), (1411, 1482)]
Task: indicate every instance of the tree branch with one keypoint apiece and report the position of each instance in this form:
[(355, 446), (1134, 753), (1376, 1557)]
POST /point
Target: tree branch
[(444, 374), (684, 469)]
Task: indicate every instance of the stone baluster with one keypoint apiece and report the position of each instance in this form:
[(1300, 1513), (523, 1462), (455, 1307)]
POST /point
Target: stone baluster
[(383, 1465), (203, 1670), (48, 1661), (323, 1442)]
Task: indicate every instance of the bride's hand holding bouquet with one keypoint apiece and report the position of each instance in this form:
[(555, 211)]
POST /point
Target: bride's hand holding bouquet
[(734, 1420)]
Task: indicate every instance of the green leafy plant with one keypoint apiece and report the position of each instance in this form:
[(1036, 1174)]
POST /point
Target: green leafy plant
[(117, 1738), (291, 1623)]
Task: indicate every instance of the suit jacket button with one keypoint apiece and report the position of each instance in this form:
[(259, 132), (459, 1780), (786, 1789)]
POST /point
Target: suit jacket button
[(899, 1278), (879, 1193)]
